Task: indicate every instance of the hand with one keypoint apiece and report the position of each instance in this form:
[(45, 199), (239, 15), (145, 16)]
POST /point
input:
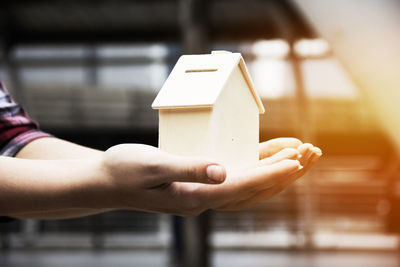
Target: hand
[(282, 161), (152, 180)]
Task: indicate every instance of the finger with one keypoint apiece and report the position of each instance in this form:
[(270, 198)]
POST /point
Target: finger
[(270, 178), (269, 175), (315, 155), (313, 158), (305, 148), (287, 153), (186, 169), (305, 152), (268, 193), (273, 146), (255, 194), (317, 151), (309, 154)]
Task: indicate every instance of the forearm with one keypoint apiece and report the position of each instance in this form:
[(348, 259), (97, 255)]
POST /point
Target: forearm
[(54, 148), (29, 186)]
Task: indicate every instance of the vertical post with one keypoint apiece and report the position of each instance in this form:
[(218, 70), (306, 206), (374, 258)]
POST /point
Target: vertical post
[(196, 235), (392, 197), (92, 65), (4, 237), (97, 237), (194, 18), (287, 30), (30, 232), (195, 231), (305, 131)]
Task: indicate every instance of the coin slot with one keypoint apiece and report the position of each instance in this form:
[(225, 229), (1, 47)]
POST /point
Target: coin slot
[(200, 70)]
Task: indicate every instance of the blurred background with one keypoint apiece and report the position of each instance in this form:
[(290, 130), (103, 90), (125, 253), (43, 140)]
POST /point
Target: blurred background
[(327, 72)]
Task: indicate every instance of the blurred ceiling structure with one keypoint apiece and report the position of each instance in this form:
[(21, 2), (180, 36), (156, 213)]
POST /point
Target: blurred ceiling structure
[(64, 21)]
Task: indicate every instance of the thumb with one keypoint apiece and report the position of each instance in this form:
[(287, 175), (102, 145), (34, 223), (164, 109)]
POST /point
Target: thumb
[(186, 169)]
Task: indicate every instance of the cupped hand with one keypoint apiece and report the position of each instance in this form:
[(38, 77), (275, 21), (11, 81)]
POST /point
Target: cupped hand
[(282, 161), (145, 178)]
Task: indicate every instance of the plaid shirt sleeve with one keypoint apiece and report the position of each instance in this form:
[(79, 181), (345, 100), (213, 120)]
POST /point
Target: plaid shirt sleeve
[(16, 128)]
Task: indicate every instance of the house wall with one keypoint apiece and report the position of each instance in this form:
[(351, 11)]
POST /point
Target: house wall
[(235, 122), (185, 132)]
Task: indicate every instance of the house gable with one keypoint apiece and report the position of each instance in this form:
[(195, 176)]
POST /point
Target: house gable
[(197, 80)]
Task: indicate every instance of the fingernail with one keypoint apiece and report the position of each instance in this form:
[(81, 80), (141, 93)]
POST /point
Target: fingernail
[(215, 173)]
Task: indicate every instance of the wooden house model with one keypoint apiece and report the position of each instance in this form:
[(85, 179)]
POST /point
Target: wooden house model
[(208, 107)]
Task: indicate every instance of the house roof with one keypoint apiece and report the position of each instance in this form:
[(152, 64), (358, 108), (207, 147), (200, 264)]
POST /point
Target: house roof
[(197, 80)]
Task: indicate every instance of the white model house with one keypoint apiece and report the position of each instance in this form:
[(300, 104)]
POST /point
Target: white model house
[(208, 107)]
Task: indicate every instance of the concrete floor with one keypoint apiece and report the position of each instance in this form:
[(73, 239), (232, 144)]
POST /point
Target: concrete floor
[(159, 258)]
